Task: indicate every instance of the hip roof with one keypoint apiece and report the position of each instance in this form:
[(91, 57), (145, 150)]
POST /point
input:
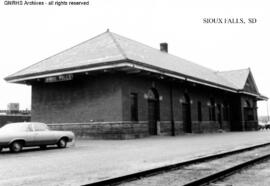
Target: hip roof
[(108, 48)]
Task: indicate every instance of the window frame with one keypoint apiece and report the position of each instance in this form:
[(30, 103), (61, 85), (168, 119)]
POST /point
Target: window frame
[(212, 110), (133, 98), (199, 111)]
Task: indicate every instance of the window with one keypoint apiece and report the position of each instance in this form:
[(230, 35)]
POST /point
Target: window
[(248, 111), (226, 111), (199, 106), (134, 106), (212, 110)]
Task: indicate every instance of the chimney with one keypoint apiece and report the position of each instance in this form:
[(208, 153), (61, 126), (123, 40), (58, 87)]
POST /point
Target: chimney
[(164, 47)]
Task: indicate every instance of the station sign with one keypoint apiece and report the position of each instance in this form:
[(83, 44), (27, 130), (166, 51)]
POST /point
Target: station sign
[(66, 77)]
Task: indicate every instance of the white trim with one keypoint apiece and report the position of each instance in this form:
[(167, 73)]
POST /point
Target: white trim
[(125, 64), (157, 71), (210, 85), (69, 72), (182, 78), (252, 94), (248, 93)]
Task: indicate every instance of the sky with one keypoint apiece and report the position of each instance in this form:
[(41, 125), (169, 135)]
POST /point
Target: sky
[(29, 34)]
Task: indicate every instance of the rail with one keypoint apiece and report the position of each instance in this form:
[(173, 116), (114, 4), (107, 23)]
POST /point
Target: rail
[(167, 168)]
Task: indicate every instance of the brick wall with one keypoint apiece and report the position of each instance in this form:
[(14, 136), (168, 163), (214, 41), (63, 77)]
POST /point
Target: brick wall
[(141, 85), (105, 130), (78, 101), (4, 119), (99, 106)]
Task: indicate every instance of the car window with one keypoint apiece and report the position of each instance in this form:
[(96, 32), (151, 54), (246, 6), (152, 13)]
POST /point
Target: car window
[(40, 127), (29, 128)]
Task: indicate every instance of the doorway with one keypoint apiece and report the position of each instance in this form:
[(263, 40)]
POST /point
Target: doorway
[(248, 114), (153, 110), (186, 114)]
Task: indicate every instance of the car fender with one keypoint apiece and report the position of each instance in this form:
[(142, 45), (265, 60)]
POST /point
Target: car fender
[(16, 139), (63, 136)]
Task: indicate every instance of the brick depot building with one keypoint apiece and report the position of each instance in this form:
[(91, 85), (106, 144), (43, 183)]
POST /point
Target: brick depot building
[(113, 87)]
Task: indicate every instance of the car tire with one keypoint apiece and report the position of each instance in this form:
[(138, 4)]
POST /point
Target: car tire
[(62, 143), (1, 148), (16, 146), (43, 147)]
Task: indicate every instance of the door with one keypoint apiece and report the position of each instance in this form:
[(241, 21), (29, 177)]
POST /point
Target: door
[(186, 114), (219, 115), (152, 117), (248, 114), (186, 117), (153, 111), (42, 135)]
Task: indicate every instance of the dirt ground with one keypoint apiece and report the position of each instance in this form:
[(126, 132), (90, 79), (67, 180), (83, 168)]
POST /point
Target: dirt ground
[(93, 160)]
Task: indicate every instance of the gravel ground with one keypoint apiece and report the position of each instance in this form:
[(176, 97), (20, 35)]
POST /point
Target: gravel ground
[(258, 175), (193, 172), (93, 160)]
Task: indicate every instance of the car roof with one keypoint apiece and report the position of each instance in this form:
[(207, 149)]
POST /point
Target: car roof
[(24, 123)]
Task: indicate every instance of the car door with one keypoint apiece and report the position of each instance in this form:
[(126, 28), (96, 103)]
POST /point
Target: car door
[(27, 134), (43, 136)]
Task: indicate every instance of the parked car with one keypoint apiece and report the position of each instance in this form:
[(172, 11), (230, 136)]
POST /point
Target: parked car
[(15, 136)]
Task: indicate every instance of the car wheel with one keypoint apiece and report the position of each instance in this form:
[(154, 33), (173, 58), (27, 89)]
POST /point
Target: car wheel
[(16, 146), (62, 143), (43, 147), (1, 148)]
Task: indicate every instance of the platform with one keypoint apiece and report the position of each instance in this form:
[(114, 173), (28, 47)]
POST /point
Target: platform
[(93, 160)]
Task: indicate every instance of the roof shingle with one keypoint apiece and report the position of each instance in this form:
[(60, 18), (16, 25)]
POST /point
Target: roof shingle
[(236, 77), (110, 47)]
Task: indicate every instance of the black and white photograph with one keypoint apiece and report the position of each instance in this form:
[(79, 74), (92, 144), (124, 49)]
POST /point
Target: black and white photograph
[(134, 93)]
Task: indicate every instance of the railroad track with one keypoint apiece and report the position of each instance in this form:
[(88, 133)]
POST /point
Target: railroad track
[(251, 159)]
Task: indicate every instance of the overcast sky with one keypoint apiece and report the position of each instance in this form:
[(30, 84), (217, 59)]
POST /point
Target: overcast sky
[(29, 34)]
